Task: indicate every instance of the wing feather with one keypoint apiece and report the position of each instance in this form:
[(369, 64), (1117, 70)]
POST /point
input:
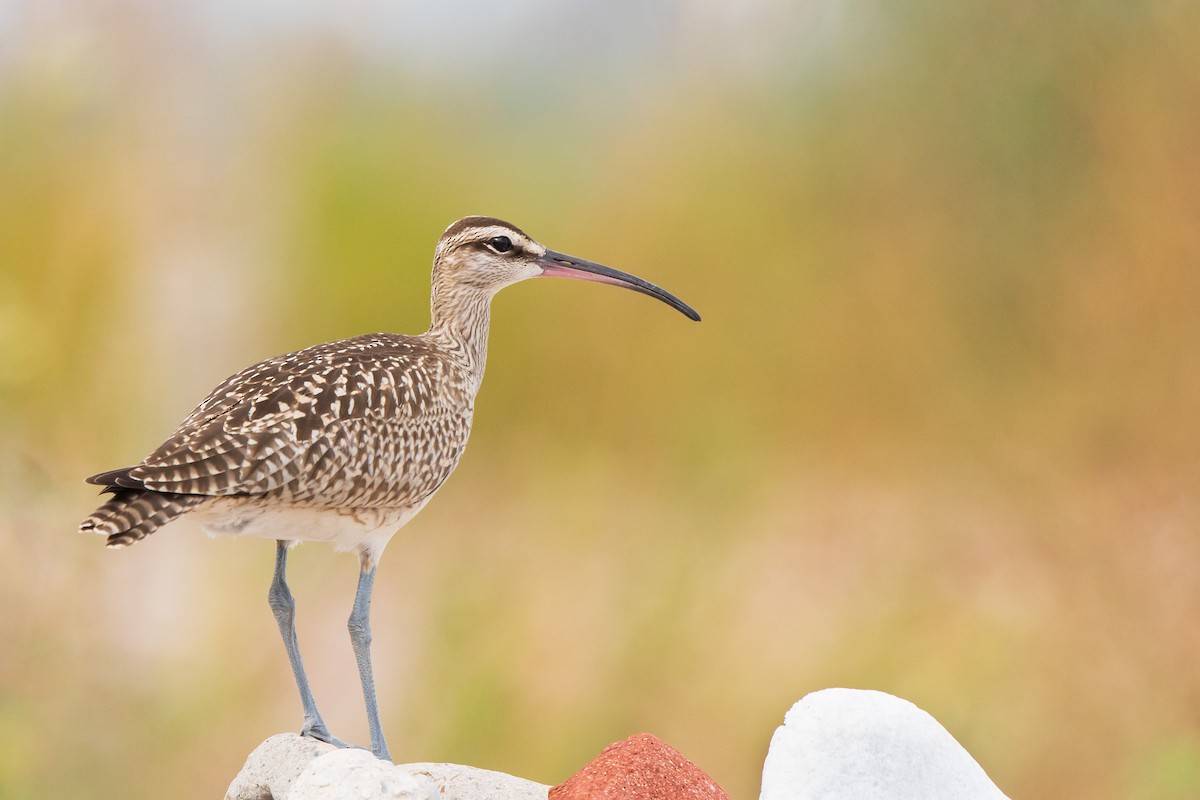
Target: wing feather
[(376, 421)]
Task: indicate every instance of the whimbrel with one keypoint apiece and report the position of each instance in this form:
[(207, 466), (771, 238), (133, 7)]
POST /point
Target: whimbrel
[(343, 442)]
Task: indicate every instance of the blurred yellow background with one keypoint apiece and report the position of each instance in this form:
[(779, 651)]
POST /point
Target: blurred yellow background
[(938, 434)]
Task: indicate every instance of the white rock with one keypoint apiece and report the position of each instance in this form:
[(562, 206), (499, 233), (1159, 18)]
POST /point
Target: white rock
[(292, 767), (839, 744), (456, 782), (357, 775), (274, 765)]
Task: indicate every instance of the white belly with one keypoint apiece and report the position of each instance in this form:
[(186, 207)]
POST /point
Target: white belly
[(364, 530)]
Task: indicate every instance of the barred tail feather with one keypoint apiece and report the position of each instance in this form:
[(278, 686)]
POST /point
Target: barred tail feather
[(134, 514)]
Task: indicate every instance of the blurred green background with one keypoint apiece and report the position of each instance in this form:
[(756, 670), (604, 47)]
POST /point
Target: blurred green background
[(938, 434)]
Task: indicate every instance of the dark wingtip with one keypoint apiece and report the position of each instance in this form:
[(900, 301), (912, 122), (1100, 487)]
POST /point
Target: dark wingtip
[(116, 479)]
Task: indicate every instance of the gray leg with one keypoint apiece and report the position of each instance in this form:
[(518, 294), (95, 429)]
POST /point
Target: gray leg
[(280, 598), (360, 638)]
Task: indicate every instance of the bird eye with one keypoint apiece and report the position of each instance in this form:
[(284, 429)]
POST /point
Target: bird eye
[(501, 244)]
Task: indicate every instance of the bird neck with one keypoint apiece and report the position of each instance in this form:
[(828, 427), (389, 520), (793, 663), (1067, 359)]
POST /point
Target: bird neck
[(460, 317)]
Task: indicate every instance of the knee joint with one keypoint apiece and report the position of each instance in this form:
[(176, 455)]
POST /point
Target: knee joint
[(359, 628), (281, 601)]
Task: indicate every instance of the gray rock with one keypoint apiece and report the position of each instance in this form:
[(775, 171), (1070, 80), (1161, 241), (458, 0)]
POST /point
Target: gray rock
[(292, 767), (838, 744)]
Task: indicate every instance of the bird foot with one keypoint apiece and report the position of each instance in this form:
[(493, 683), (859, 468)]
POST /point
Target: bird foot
[(322, 734)]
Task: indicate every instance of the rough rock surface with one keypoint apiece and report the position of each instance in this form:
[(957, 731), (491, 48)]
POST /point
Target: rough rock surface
[(867, 745), (292, 767), (274, 765), (641, 767), (456, 782)]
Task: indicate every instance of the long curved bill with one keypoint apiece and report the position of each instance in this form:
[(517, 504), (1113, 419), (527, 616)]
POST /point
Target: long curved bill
[(560, 265)]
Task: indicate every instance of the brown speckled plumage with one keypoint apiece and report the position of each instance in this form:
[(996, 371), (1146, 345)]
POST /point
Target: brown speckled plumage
[(377, 421), (343, 442), (373, 423)]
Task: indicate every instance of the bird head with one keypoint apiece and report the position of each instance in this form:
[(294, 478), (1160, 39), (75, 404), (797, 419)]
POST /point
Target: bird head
[(488, 254)]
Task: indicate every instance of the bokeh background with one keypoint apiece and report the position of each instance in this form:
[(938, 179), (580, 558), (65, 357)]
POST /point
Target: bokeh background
[(937, 435)]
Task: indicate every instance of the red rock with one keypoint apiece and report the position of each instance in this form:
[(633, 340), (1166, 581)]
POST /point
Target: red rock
[(642, 767)]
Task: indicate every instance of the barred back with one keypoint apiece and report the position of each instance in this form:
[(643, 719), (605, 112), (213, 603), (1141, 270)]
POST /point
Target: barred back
[(377, 421)]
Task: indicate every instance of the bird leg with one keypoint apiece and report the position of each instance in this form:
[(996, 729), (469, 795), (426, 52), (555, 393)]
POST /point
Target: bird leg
[(284, 607), (360, 637)]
